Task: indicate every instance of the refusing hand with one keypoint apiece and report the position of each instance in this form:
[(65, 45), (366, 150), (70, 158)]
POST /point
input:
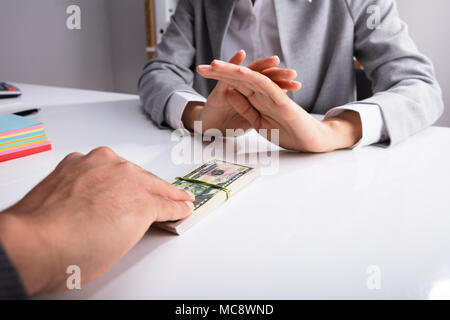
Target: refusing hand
[(265, 106), (217, 113)]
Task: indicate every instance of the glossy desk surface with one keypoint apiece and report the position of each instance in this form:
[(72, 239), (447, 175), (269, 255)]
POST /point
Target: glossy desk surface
[(37, 96), (318, 226)]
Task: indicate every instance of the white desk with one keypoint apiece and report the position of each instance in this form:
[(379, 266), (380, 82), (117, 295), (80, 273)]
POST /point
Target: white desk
[(34, 96), (310, 231)]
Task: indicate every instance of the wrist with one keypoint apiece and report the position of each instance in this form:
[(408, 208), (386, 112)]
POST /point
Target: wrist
[(345, 130), (192, 113), (26, 251)]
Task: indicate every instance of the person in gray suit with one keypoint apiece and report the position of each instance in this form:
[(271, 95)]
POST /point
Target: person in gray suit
[(315, 40)]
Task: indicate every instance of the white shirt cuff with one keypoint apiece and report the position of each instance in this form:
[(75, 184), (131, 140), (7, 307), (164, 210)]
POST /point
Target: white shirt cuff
[(176, 105), (373, 126)]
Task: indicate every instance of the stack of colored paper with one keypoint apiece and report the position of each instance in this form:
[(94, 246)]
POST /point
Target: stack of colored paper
[(20, 137)]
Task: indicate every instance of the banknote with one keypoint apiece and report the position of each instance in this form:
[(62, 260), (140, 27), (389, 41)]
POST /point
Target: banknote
[(212, 183), (215, 172)]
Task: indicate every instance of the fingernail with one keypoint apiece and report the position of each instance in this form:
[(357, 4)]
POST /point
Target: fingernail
[(203, 67), (190, 204), (191, 195)]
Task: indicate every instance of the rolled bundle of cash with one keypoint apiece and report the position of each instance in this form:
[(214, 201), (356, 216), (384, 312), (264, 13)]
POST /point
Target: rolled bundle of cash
[(212, 183)]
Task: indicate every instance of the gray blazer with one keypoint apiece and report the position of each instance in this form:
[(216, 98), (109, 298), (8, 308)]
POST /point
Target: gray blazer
[(319, 39)]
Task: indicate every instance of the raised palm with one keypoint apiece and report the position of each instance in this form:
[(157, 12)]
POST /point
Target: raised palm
[(218, 113)]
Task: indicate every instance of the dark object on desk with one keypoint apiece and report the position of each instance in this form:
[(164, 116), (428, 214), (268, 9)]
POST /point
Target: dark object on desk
[(26, 112), (8, 90)]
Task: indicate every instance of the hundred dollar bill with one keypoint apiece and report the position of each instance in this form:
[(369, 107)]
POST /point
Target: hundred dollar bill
[(212, 183)]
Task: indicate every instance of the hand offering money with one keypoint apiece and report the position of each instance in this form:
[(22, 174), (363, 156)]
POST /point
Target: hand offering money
[(212, 183)]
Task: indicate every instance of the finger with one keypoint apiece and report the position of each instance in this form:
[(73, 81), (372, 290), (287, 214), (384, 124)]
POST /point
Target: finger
[(246, 88), (227, 76), (264, 63), (158, 186), (227, 80), (238, 58), (169, 210), (289, 85), (243, 108), (254, 80), (277, 74)]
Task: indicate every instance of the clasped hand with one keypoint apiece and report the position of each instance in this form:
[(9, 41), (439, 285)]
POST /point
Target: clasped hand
[(256, 96)]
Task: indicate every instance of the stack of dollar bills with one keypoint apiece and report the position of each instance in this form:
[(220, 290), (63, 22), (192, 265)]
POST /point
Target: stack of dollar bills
[(212, 183)]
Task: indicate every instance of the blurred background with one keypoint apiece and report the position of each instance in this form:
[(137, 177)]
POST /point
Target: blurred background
[(109, 51)]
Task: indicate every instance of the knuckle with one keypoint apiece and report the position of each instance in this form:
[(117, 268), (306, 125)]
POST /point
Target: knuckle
[(242, 70), (154, 179), (214, 64), (173, 189), (170, 210), (247, 112), (179, 210), (69, 159), (266, 81), (128, 167), (73, 155), (104, 152), (184, 210)]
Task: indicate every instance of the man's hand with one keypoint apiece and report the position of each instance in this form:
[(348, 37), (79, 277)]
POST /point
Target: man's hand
[(265, 106), (89, 212), (217, 113)]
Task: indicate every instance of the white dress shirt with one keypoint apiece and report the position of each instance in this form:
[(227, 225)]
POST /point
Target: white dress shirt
[(254, 28)]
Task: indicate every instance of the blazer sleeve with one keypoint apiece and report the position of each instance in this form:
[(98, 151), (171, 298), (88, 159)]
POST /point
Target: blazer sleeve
[(171, 68), (11, 287), (404, 83)]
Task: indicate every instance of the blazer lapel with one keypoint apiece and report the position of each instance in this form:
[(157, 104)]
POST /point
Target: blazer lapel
[(218, 17)]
